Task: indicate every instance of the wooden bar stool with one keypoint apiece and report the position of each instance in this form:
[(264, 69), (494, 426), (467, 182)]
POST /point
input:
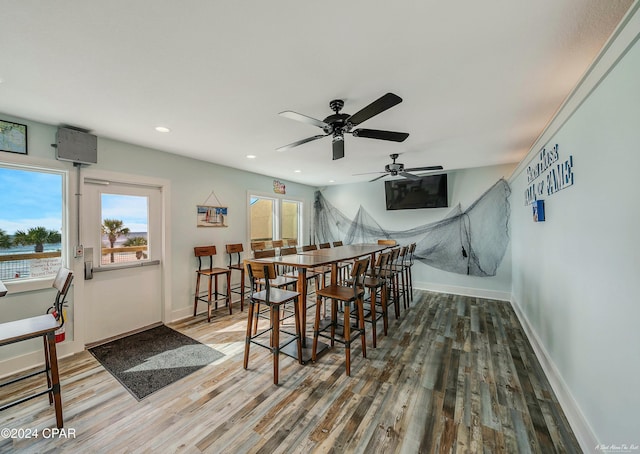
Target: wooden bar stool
[(376, 283), (409, 264), (280, 281), (398, 266), (212, 273), (346, 294), (343, 267), (234, 252), (391, 275), (289, 250), (293, 273), (258, 246), (274, 299), (43, 326), (277, 245), (322, 271)]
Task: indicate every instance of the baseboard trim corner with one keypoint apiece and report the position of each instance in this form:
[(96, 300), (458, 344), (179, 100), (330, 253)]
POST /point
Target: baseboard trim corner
[(581, 428), (464, 291)]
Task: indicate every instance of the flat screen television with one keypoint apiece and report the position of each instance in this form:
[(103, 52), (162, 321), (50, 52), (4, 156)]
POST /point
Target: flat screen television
[(429, 191)]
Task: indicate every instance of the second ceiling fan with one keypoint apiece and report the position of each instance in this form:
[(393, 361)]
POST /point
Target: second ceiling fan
[(397, 168), (339, 124)]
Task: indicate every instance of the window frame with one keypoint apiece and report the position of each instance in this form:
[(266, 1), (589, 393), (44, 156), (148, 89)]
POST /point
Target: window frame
[(277, 213), (150, 240), (38, 165), (300, 204)]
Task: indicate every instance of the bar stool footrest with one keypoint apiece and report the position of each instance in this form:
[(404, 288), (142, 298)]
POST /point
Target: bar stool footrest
[(26, 398)]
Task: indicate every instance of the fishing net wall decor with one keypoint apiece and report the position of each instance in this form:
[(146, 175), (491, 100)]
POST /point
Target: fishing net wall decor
[(471, 242)]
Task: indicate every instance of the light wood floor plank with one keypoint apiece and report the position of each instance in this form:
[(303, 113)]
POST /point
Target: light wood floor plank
[(454, 374)]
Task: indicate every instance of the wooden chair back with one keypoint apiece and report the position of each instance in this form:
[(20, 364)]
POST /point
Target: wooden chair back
[(395, 252), (258, 245), (260, 270), (359, 267), (411, 251), (292, 242), (402, 256), (276, 244), (234, 250), (337, 243), (358, 273), (387, 242), (61, 283), (325, 245), (263, 272), (204, 251), (382, 260), (264, 254), (309, 247), (289, 250)]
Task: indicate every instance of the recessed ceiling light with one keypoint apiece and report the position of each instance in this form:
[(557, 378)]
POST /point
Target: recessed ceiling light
[(162, 129), (251, 156), (297, 171), (332, 181)]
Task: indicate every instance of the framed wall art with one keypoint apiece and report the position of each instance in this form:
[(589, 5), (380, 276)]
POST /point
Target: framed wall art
[(210, 216), (13, 137)]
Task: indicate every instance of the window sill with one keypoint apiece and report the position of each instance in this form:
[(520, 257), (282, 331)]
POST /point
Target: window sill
[(28, 285)]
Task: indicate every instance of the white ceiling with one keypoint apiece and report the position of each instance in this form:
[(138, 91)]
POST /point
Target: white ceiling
[(480, 79)]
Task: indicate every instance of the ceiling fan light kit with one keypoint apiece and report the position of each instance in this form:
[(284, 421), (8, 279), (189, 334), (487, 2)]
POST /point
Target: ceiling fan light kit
[(339, 124)]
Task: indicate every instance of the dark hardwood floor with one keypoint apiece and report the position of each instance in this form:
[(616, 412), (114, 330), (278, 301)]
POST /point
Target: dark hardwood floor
[(455, 374)]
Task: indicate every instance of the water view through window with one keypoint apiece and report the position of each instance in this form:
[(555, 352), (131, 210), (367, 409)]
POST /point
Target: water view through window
[(30, 223), (124, 229)]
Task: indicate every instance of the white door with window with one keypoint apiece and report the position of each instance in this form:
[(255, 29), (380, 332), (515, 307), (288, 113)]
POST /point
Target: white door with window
[(122, 235)]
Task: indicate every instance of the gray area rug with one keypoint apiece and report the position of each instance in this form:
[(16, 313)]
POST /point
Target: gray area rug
[(150, 360)]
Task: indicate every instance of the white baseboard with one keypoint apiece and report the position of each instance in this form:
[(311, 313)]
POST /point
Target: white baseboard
[(581, 428), (181, 314), (465, 291)]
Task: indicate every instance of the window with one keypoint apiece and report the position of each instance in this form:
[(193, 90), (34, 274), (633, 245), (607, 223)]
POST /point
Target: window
[(262, 215), (125, 228), (291, 217), (273, 218), (31, 226)]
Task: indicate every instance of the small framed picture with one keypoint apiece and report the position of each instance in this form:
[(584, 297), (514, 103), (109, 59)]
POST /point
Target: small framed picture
[(209, 216), (13, 137)]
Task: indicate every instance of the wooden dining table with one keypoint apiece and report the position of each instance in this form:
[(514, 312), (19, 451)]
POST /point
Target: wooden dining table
[(304, 261)]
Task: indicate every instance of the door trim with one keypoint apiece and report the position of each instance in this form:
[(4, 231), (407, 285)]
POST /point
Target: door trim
[(165, 256)]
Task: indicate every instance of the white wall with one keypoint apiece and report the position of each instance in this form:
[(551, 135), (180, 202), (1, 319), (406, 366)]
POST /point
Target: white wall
[(576, 277), (191, 182), (465, 186)]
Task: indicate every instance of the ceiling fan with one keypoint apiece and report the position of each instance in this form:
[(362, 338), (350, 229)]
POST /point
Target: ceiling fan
[(339, 124), (397, 168)]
